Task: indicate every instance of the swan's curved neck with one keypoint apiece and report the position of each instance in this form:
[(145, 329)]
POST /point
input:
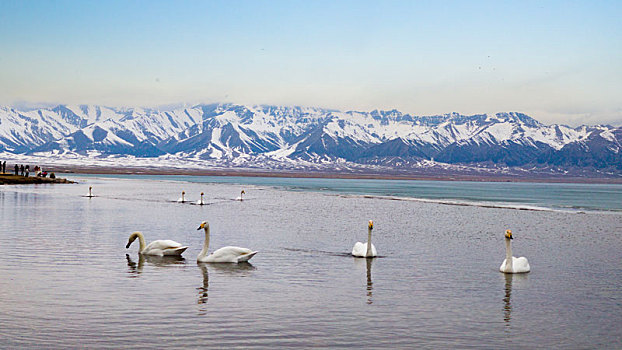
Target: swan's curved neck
[(368, 242), (141, 241), (206, 243), (183, 199), (508, 255)]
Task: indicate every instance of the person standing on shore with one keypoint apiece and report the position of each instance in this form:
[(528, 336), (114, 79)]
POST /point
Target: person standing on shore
[(21, 169), (27, 170), (4, 167), (16, 169)]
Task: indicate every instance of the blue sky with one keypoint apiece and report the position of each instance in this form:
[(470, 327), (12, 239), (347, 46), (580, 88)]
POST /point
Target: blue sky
[(559, 61)]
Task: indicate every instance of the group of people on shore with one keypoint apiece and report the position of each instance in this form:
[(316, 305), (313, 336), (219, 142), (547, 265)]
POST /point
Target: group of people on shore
[(24, 170)]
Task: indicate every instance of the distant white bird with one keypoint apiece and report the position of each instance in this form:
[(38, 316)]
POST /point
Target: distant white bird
[(200, 201), (511, 264), (182, 199), (365, 250), (159, 247), (227, 254), (241, 197), (90, 194)]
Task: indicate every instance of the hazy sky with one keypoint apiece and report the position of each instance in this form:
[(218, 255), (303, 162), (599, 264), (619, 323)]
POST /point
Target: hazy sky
[(558, 61)]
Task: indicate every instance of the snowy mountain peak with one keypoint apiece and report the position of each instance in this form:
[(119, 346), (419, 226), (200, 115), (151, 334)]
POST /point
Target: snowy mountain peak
[(235, 134)]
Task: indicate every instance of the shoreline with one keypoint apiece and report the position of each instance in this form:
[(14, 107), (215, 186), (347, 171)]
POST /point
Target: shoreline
[(110, 170), (11, 179)]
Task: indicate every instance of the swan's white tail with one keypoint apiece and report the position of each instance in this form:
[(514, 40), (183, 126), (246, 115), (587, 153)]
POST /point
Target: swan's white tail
[(246, 257), (175, 251)]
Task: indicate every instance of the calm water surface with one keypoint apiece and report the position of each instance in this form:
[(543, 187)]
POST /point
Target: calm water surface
[(519, 195), (67, 281)]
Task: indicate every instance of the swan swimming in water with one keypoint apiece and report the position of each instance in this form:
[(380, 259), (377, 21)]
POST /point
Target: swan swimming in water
[(160, 247), (365, 250), (512, 264), (90, 195), (182, 199), (241, 197), (200, 201), (227, 254)]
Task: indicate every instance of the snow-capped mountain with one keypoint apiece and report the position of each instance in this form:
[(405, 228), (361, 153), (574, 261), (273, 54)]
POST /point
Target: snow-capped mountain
[(269, 136)]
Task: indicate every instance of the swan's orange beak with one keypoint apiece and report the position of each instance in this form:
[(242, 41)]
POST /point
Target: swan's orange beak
[(508, 234), (371, 224)]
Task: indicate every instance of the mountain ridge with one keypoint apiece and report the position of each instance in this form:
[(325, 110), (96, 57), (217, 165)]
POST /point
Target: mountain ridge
[(264, 136)]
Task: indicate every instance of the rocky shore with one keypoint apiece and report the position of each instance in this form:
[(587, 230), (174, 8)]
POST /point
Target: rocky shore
[(10, 179)]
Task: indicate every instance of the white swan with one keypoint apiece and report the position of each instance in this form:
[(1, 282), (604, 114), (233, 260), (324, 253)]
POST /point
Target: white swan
[(200, 201), (511, 264), (365, 250), (241, 197), (182, 199), (225, 254), (90, 195), (160, 247)]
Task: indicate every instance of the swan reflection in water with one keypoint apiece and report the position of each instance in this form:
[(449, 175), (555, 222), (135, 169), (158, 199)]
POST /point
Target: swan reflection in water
[(241, 269), (507, 305), (507, 302), (136, 269), (370, 285), (202, 302)]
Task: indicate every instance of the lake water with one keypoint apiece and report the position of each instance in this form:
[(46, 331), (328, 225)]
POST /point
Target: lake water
[(66, 280), (518, 195)]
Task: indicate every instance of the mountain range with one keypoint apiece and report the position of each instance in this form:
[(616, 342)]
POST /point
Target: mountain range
[(273, 137)]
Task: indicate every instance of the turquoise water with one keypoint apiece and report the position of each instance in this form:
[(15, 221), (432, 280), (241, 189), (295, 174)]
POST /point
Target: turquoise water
[(521, 195)]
